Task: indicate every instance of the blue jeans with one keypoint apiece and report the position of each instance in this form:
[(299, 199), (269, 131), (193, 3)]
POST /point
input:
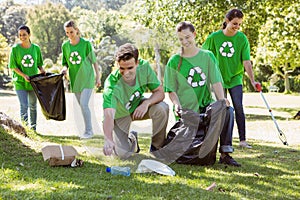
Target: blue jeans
[(27, 100), (226, 134), (83, 99), (236, 94)]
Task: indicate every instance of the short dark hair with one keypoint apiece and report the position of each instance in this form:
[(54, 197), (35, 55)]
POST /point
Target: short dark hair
[(126, 52), (233, 13), (24, 27), (184, 25)]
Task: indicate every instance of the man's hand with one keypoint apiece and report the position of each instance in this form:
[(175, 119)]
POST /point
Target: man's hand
[(108, 147), (141, 110)]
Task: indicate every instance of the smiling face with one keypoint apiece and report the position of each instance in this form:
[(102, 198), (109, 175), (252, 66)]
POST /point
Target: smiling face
[(186, 38), (24, 36), (234, 25), (128, 70), (71, 33)]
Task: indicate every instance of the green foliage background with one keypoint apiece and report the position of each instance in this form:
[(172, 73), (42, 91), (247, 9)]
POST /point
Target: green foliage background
[(271, 27)]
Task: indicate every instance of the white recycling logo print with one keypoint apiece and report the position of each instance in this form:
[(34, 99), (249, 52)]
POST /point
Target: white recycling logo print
[(27, 60), (75, 58), (192, 73), (231, 49), (135, 95)]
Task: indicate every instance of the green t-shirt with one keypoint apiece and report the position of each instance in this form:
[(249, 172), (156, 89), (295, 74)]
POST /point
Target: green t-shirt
[(230, 52), (124, 98), (193, 81), (79, 59), (27, 60)]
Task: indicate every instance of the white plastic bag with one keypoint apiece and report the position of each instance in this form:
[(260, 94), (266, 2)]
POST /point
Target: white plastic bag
[(148, 165)]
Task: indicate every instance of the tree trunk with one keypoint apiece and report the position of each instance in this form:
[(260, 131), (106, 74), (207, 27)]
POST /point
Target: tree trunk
[(286, 79)]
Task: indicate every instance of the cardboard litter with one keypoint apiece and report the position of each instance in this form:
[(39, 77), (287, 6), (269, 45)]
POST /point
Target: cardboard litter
[(58, 155)]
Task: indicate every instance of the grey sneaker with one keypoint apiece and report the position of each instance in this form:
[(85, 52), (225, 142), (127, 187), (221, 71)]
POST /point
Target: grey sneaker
[(87, 135), (244, 144)]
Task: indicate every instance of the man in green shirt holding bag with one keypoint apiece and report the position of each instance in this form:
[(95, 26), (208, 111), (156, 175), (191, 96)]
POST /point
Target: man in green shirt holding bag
[(123, 102)]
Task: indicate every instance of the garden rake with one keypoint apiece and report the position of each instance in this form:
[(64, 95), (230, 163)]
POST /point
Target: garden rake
[(281, 135)]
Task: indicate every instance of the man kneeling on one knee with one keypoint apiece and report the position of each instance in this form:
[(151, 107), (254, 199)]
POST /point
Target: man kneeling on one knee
[(123, 102)]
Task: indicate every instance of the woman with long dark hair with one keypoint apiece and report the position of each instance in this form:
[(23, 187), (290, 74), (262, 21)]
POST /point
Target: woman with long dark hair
[(232, 50), (26, 60)]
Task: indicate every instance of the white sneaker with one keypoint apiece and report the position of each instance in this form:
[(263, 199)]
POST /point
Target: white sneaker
[(87, 135), (133, 138), (244, 144)]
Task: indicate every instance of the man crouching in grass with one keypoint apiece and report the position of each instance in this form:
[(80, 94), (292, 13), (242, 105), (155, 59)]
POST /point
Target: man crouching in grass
[(123, 102)]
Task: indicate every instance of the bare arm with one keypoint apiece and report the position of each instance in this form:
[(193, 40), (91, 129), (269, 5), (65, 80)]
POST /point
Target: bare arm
[(18, 71), (157, 96), (219, 91), (108, 127), (175, 100), (248, 68), (96, 67)]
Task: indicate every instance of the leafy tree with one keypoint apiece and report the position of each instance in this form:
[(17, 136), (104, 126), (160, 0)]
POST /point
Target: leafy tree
[(103, 29), (12, 17), (115, 4), (3, 7), (4, 51), (96, 25), (46, 23), (161, 17), (105, 52), (279, 40), (83, 4)]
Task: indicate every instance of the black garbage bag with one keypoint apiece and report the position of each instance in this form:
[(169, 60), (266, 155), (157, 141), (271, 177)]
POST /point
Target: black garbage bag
[(194, 138), (49, 89)]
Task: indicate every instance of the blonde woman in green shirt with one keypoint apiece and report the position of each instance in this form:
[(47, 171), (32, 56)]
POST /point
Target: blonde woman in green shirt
[(26, 60), (79, 58), (232, 50)]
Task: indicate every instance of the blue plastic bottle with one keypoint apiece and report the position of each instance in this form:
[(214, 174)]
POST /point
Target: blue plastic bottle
[(116, 170)]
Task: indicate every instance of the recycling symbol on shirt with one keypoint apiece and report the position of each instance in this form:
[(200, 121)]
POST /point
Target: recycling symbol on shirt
[(75, 58), (192, 73), (27, 60), (134, 96), (231, 49)]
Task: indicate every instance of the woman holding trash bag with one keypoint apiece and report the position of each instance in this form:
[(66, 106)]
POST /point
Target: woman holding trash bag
[(79, 58), (232, 50), (26, 60), (188, 78)]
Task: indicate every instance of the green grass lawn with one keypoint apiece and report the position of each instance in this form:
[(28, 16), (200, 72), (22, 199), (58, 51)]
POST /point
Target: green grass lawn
[(269, 171)]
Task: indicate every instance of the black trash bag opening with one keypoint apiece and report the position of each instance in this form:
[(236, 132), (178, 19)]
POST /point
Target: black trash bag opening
[(194, 138), (49, 89)]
